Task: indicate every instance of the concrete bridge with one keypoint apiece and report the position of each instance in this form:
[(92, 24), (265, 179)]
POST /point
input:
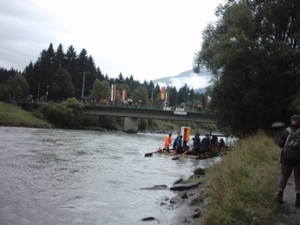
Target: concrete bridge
[(131, 115)]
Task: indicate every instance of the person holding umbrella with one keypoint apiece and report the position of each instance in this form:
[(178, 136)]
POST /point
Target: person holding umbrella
[(289, 165)]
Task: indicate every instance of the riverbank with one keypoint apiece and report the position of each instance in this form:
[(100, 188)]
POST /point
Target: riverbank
[(191, 209), (240, 189), (11, 115), (193, 212)]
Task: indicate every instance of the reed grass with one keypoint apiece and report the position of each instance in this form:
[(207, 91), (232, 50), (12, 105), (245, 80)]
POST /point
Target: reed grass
[(242, 186)]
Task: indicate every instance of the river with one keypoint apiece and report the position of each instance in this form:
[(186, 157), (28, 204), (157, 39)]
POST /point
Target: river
[(63, 177)]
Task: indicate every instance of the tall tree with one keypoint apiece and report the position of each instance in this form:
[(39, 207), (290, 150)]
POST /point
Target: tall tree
[(173, 96), (61, 87), (100, 90), (99, 74), (53, 66), (31, 78), (60, 57), (92, 74), (5, 74), (71, 57), (44, 68), (18, 87), (253, 53), (140, 95)]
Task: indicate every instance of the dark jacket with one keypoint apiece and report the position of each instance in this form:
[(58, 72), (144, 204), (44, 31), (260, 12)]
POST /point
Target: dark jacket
[(179, 142), (175, 142), (281, 143), (205, 144), (196, 142)]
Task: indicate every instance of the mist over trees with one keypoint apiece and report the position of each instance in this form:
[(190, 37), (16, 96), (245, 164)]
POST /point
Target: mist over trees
[(61, 73), (253, 53)]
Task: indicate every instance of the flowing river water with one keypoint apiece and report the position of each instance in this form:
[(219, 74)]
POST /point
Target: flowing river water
[(63, 177)]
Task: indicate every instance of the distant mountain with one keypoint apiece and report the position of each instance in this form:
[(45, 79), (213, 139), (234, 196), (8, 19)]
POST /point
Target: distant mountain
[(199, 82)]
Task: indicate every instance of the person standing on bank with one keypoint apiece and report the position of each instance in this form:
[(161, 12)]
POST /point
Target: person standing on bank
[(288, 165)]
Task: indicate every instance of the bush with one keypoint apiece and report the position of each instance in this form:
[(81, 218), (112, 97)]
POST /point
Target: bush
[(66, 114), (90, 121)]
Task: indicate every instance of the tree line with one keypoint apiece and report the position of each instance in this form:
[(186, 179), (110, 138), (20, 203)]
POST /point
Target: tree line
[(59, 75), (252, 51)]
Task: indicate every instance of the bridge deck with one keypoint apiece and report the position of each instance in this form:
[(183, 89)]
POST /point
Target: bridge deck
[(148, 114), (140, 113)]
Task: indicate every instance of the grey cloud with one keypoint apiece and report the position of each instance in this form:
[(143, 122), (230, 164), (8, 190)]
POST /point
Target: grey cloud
[(25, 30)]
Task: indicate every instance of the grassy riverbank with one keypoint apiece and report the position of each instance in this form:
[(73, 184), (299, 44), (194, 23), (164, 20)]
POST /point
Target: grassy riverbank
[(241, 188), (12, 115)]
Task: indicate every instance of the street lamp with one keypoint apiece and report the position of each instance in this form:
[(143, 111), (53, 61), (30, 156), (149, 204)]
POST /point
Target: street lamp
[(193, 103), (152, 98), (188, 98), (47, 93)]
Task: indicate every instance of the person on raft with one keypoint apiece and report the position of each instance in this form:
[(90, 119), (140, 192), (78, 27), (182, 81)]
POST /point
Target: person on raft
[(175, 141), (196, 144), (178, 146), (195, 150), (168, 142), (205, 145)]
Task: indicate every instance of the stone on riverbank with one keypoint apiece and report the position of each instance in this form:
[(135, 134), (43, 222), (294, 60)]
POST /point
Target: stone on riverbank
[(155, 187), (182, 187)]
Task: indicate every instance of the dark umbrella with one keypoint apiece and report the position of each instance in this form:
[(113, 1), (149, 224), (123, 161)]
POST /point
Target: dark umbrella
[(278, 124)]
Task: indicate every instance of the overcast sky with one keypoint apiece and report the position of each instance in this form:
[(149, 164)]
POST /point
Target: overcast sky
[(148, 39)]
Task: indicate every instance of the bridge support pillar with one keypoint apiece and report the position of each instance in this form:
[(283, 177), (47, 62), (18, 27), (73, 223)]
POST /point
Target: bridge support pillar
[(130, 125)]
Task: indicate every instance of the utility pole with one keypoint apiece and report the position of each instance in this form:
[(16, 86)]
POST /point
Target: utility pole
[(82, 90), (47, 93), (83, 83), (152, 99), (193, 103), (38, 93)]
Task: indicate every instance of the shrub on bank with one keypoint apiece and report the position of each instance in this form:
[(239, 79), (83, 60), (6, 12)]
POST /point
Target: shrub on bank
[(65, 114), (242, 185)]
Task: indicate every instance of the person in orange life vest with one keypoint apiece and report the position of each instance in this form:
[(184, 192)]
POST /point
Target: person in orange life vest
[(168, 142)]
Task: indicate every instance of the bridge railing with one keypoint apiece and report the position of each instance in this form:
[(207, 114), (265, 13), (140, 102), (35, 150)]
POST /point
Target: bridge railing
[(149, 107), (132, 106)]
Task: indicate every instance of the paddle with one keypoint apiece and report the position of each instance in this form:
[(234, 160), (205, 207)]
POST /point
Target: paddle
[(177, 157), (150, 153)]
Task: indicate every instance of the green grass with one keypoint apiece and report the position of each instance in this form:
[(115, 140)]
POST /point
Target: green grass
[(13, 115), (241, 187)]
